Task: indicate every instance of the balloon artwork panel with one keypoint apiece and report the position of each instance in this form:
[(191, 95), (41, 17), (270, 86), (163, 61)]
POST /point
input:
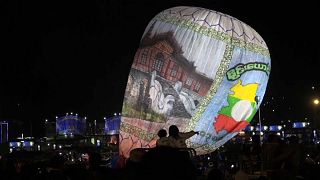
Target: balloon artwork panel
[(198, 69)]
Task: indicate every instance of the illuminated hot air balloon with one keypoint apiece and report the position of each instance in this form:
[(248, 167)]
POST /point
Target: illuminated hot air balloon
[(198, 69)]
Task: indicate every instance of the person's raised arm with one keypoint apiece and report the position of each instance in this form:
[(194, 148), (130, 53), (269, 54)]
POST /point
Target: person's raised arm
[(187, 135)]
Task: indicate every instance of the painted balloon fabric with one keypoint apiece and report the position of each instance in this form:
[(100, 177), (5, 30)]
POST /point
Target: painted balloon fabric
[(198, 69)]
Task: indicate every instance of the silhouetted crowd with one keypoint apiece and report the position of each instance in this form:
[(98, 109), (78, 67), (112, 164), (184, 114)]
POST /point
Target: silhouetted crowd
[(274, 159)]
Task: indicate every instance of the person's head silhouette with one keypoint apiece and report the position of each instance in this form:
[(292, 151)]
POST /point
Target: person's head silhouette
[(162, 133), (173, 131)]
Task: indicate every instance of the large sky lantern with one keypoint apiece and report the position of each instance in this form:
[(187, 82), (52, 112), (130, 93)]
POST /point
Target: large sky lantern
[(198, 69)]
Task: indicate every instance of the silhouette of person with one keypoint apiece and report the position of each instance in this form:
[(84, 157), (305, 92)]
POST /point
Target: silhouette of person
[(215, 174), (166, 163), (178, 139), (163, 139)]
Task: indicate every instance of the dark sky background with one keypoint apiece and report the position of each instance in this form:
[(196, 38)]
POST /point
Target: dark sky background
[(59, 57)]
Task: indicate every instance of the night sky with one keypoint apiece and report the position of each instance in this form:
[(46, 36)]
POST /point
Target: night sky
[(75, 56)]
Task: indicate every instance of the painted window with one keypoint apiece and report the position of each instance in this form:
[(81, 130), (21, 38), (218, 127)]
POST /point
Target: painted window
[(174, 71), (189, 81), (197, 87), (158, 64), (144, 57)]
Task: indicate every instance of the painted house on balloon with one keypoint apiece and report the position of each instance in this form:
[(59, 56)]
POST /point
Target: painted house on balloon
[(163, 54), (162, 81)]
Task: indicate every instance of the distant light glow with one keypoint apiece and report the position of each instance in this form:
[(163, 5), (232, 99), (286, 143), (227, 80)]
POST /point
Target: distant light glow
[(70, 125), (316, 101), (112, 125), (303, 124)]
